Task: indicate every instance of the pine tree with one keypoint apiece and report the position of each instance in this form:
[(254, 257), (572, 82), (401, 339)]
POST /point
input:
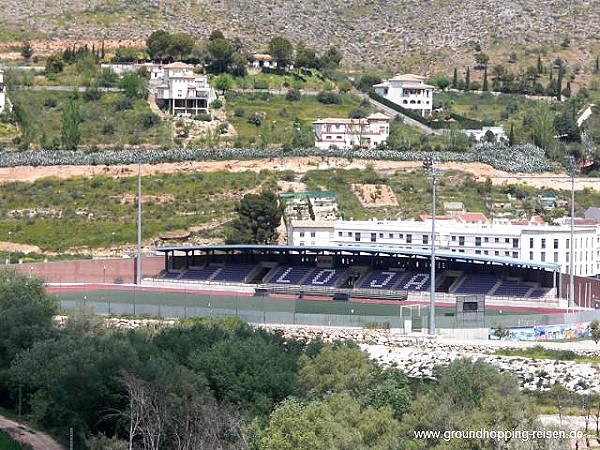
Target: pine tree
[(485, 80), (468, 79)]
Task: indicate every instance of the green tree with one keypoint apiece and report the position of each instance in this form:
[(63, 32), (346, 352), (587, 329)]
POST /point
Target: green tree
[(565, 125), (238, 64), (26, 313), (594, 328), (468, 79), (481, 59), (133, 85), (367, 80), (331, 59), (511, 136), (158, 44), (543, 131), (223, 82), (55, 63), (455, 79), (70, 132), (561, 73), (485, 80), (306, 57), (281, 50), (181, 45), (26, 50), (259, 216), (220, 53), (540, 66)]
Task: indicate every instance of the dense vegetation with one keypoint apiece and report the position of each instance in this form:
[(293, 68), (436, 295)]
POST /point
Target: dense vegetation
[(223, 384)]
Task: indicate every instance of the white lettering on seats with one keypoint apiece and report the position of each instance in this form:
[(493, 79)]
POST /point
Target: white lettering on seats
[(375, 283), (320, 280), (282, 278), (416, 282)]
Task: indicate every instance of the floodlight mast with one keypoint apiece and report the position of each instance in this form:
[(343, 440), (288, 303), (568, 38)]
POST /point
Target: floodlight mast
[(429, 167)]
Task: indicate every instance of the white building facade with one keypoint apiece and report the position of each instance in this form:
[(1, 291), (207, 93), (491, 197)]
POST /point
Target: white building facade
[(541, 243), (408, 91), (2, 92), (183, 92), (348, 133)]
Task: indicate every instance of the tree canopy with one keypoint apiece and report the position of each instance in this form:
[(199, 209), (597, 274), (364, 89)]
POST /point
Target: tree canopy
[(259, 215)]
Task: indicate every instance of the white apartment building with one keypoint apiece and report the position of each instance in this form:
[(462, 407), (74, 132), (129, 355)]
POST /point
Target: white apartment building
[(183, 92), (408, 91), (537, 243), (348, 133), (2, 93)]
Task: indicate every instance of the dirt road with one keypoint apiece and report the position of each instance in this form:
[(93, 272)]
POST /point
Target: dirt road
[(299, 165), (27, 435)]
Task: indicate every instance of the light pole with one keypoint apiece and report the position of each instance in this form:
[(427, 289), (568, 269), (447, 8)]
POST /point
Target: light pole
[(9, 246), (429, 167), (138, 261), (572, 168)]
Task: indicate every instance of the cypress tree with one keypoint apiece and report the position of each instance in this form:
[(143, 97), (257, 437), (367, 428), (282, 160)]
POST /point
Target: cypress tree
[(597, 64), (467, 79), (540, 67), (559, 83), (455, 79), (511, 136), (485, 80)]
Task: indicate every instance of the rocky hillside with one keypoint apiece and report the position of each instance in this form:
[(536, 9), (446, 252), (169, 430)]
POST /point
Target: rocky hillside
[(406, 34)]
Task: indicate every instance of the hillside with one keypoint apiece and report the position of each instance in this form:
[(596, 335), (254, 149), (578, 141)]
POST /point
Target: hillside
[(414, 35)]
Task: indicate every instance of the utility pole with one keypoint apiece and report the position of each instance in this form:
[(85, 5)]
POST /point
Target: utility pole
[(138, 259), (429, 167)]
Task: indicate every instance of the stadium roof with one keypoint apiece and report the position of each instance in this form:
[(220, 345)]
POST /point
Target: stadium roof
[(372, 250)]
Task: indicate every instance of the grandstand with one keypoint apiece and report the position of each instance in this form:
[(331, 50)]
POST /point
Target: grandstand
[(361, 272)]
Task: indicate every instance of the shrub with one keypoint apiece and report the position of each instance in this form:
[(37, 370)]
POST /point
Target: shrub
[(255, 119), (293, 95), (50, 102), (358, 113), (239, 112), (329, 98), (149, 119), (261, 84), (216, 104), (92, 94), (203, 117), (123, 103)]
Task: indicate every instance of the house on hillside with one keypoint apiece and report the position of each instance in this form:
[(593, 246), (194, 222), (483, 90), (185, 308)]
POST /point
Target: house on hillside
[(2, 93), (408, 91), (183, 92), (484, 134), (348, 133), (260, 60)]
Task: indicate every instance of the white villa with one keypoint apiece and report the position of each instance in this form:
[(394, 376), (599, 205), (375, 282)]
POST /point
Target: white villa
[(259, 60), (347, 133), (479, 135), (529, 242), (2, 93), (183, 92), (408, 91)]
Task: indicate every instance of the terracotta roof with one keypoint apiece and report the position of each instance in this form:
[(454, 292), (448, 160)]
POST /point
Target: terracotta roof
[(473, 217), (417, 86), (340, 121), (179, 65), (408, 77), (262, 57), (378, 116)]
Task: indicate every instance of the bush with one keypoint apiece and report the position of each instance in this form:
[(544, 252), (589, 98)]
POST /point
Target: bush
[(255, 119), (148, 120), (329, 98), (293, 95), (50, 102), (216, 104), (358, 113), (239, 112), (123, 103), (92, 94), (203, 117), (261, 84)]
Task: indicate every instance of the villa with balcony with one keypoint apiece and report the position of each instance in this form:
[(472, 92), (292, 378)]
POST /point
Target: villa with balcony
[(182, 92), (408, 91), (348, 133)]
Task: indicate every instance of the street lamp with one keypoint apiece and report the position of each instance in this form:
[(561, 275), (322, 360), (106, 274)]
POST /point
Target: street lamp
[(572, 168), (429, 167)]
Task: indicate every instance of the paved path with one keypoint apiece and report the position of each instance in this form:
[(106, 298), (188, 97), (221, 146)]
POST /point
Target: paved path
[(24, 434)]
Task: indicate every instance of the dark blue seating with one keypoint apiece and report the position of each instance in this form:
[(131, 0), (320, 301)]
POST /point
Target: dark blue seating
[(170, 275), (414, 281), (323, 277), (512, 288), (289, 274), (538, 293), (381, 279), (204, 274), (478, 284), (233, 273)]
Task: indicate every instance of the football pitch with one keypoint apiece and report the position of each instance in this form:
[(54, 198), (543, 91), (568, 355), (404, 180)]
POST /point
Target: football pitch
[(270, 309)]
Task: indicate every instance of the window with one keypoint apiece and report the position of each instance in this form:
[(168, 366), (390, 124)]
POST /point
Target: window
[(506, 240), (486, 239), (555, 244), (531, 255), (340, 234), (339, 138), (496, 240), (477, 241), (461, 240), (409, 238), (530, 242), (515, 242), (400, 236), (496, 253), (478, 252), (391, 236), (357, 236), (568, 243), (312, 234), (425, 239), (381, 235), (373, 237), (349, 233), (485, 252), (555, 257), (453, 238), (506, 253), (302, 234), (543, 243), (515, 254), (543, 256)]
